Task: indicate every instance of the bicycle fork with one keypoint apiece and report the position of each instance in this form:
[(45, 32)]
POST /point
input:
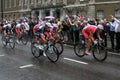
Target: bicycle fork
[(50, 48)]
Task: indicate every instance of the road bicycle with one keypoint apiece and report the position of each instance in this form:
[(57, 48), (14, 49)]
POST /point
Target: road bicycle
[(9, 39), (98, 50), (23, 38), (48, 49)]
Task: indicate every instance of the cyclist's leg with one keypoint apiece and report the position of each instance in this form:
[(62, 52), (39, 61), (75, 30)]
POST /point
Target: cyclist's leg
[(42, 39), (4, 33), (88, 41), (17, 32)]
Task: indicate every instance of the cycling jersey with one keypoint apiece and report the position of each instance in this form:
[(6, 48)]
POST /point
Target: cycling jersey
[(6, 28), (87, 30), (38, 29), (18, 28)]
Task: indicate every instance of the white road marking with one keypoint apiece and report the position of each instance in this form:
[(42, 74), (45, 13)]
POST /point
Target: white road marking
[(118, 54), (75, 61), (2, 55), (26, 66)]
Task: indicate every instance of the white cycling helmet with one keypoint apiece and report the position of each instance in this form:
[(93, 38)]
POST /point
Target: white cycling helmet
[(9, 25), (100, 27), (47, 25)]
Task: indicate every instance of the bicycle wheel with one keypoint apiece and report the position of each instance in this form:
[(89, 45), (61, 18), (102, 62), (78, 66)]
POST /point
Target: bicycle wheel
[(4, 41), (59, 46), (79, 50), (24, 39), (35, 51), (100, 53), (52, 53), (12, 42)]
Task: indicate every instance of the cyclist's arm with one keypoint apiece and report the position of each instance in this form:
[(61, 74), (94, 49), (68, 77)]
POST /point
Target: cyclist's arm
[(98, 34)]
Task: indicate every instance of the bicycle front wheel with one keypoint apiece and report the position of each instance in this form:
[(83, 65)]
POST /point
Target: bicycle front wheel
[(35, 51), (100, 53), (12, 42), (52, 53), (4, 41)]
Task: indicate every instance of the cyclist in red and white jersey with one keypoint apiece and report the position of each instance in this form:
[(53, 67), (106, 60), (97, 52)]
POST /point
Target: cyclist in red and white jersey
[(90, 32)]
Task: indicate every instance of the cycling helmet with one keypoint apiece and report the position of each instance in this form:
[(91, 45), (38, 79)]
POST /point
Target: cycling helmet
[(22, 24), (9, 25), (47, 24), (100, 27)]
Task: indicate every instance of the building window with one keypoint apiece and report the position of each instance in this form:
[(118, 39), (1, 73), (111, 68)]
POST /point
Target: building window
[(26, 1), (100, 14), (32, 1), (39, 1), (5, 3), (20, 2), (36, 1), (117, 13), (10, 3), (43, 2), (14, 3)]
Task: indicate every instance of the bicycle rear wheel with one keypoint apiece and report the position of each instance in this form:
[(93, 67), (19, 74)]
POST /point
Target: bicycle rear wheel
[(52, 53), (79, 50), (100, 53), (59, 46), (24, 39)]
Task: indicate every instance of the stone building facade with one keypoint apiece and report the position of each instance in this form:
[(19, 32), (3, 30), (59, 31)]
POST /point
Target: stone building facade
[(59, 8)]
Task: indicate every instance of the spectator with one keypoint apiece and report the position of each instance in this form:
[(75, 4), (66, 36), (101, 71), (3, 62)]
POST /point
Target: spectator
[(113, 24), (106, 29), (65, 30), (31, 23), (117, 31), (74, 29)]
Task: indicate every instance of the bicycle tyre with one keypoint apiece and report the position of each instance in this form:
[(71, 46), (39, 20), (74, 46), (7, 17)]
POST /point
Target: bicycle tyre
[(24, 39), (50, 54), (4, 42), (101, 51), (79, 50), (12, 42), (35, 51), (59, 46)]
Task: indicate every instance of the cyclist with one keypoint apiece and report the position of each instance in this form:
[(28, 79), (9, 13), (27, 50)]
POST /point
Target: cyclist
[(19, 29), (26, 26), (39, 30), (91, 32), (48, 31), (6, 29), (54, 29)]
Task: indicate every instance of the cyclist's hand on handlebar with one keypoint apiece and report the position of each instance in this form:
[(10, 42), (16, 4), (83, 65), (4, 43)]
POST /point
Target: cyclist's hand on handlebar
[(101, 39), (95, 42)]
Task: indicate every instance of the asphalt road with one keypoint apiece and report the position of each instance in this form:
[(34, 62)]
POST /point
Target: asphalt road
[(19, 64)]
